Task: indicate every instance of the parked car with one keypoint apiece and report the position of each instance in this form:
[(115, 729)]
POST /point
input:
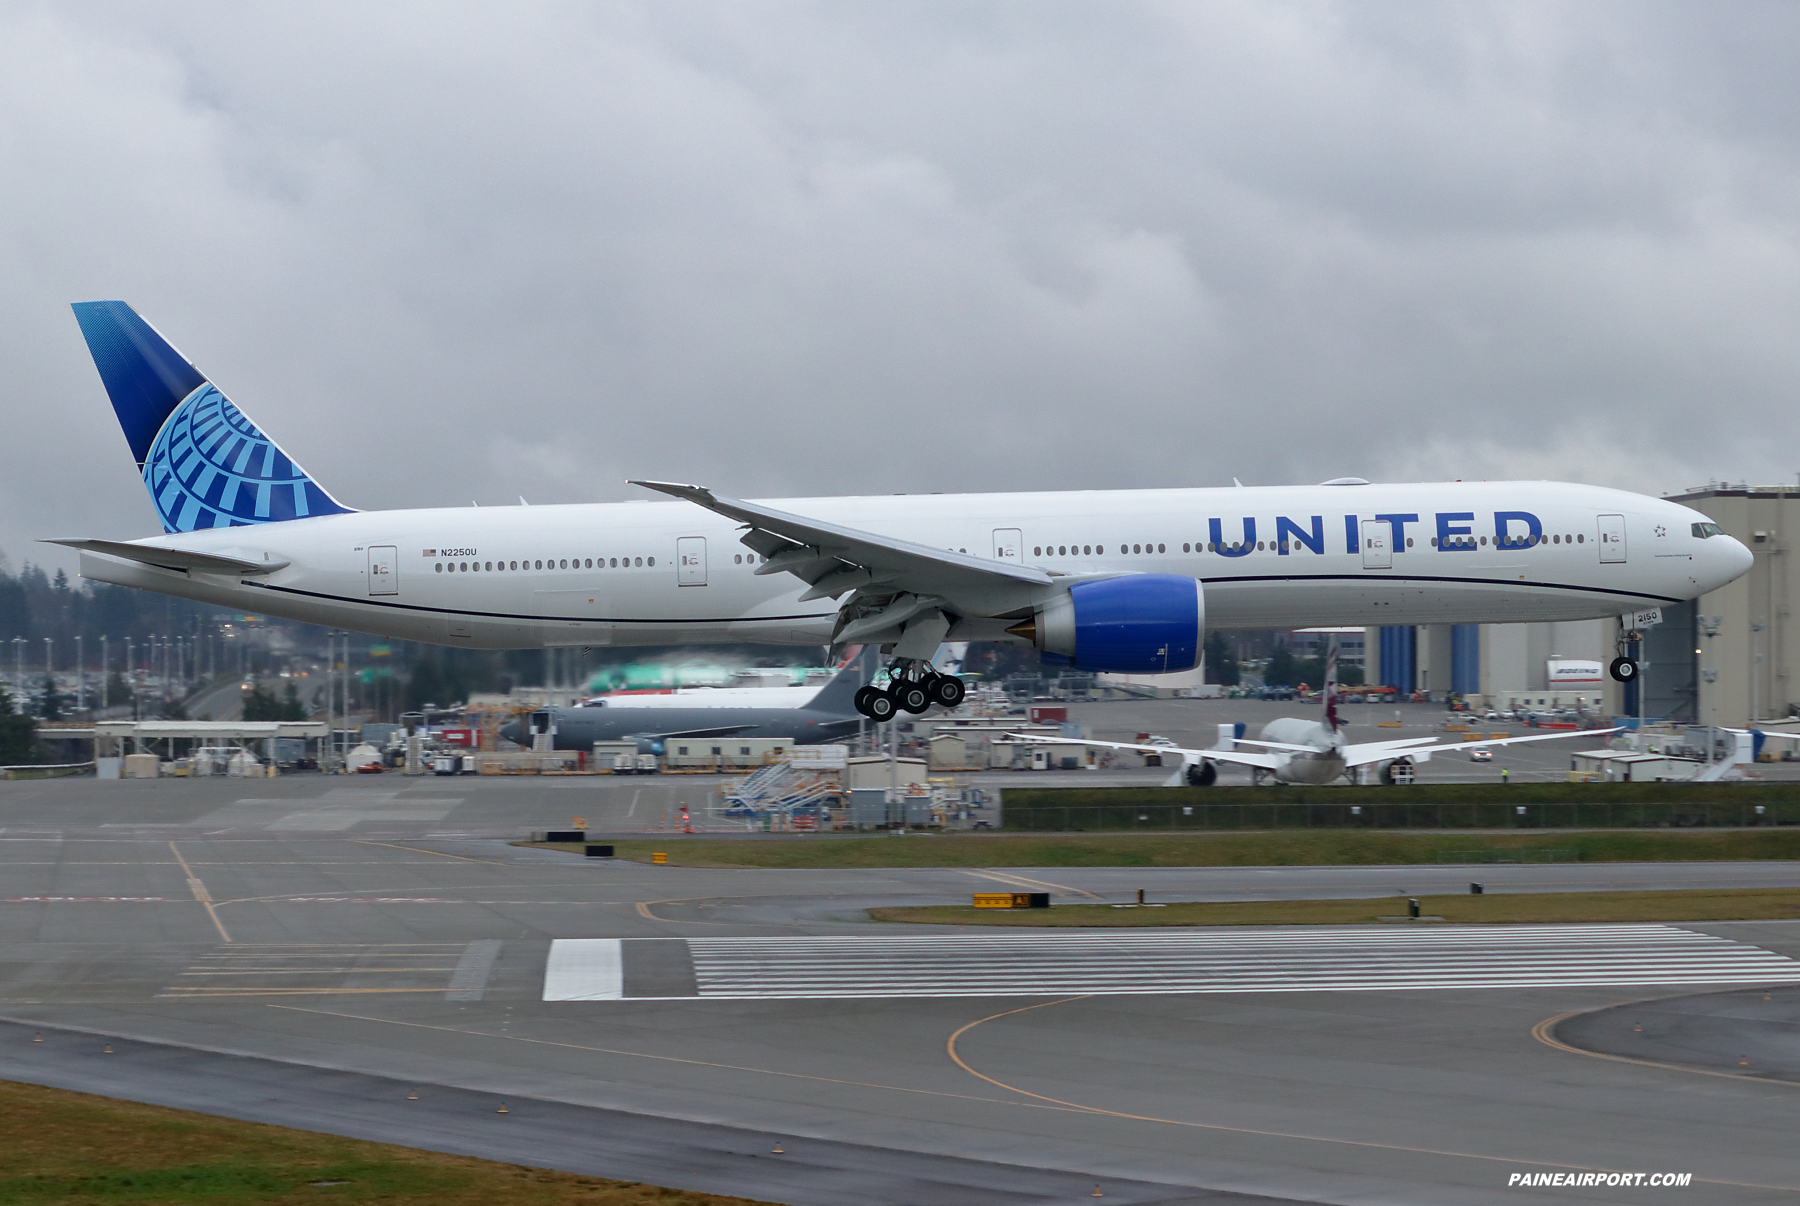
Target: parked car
[(1481, 755)]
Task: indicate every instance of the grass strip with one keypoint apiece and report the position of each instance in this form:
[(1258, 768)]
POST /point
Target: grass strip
[(1726, 904), (1278, 848), (66, 1147)]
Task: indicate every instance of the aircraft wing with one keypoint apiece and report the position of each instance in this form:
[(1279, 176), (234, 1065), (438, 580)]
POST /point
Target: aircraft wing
[(724, 730), (1381, 751), (167, 558), (905, 585), (1236, 757)]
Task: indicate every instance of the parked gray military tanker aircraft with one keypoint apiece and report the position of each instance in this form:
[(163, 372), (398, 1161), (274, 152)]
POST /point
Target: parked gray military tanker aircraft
[(828, 713)]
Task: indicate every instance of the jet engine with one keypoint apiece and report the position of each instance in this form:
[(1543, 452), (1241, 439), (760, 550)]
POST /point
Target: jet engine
[(1137, 624)]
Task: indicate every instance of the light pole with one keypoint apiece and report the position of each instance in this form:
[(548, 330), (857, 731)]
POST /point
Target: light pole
[(105, 663), (19, 669), (49, 680), (1709, 627), (80, 677), (1756, 657)]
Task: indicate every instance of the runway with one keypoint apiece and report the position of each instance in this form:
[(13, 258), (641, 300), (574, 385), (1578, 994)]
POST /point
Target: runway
[(359, 937)]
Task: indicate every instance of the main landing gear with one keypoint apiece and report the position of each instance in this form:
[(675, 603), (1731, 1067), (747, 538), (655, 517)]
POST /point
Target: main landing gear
[(914, 686)]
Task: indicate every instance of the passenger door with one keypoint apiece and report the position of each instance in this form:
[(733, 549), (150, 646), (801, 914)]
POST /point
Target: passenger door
[(1377, 544), (1008, 545), (1612, 537), (384, 570), (690, 561)]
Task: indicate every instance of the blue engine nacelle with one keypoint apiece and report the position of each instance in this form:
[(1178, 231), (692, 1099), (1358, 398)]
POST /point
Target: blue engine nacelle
[(1137, 624)]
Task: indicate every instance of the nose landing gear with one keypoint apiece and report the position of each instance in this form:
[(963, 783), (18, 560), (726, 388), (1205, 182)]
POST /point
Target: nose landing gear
[(1622, 668), (913, 688)]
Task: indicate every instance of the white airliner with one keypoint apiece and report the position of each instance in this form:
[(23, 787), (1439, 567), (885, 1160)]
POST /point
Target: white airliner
[(1306, 751), (1123, 580)]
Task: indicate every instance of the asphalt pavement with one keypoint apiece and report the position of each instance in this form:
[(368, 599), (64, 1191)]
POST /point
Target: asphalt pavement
[(302, 949)]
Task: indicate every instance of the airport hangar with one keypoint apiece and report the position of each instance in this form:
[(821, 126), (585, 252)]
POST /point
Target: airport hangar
[(371, 956)]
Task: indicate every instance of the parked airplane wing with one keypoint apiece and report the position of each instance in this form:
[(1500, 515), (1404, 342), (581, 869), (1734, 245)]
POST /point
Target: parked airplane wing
[(724, 730), (1382, 751), (1237, 757)]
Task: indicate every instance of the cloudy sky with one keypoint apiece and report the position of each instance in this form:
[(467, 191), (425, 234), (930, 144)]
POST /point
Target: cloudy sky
[(449, 252)]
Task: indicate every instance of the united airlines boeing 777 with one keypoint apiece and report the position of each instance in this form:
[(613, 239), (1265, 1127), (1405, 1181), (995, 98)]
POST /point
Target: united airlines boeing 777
[(1121, 580)]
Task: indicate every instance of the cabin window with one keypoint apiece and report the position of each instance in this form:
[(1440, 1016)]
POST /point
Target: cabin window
[(1161, 549), (652, 561), (439, 567)]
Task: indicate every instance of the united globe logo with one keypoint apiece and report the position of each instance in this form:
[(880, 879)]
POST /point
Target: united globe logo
[(210, 467)]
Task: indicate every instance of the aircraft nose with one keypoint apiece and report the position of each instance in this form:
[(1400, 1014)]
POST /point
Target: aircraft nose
[(513, 731), (1732, 558)]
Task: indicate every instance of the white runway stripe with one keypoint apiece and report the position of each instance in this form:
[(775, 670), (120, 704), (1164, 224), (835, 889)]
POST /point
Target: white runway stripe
[(1336, 960)]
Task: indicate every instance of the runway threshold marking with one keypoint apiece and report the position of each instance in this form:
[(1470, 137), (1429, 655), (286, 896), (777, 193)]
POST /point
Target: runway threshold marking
[(200, 893), (843, 967), (1376, 1145), (1543, 1033)]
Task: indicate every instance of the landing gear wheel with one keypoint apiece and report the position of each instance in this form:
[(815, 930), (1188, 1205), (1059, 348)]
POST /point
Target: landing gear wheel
[(1623, 670), (946, 690), (861, 701), (881, 705), (912, 696), (1202, 774)]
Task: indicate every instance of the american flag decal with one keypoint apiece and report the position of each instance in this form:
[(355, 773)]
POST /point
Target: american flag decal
[(431, 552)]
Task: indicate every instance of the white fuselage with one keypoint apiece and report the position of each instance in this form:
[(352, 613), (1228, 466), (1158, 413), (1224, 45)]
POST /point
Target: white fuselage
[(671, 572)]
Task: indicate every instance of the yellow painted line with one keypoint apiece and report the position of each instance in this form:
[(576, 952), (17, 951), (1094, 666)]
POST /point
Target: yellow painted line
[(184, 991), (1542, 1033), (315, 971), (950, 1048), (1021, 882), (200, 894), (416, 850), (670, 1059)]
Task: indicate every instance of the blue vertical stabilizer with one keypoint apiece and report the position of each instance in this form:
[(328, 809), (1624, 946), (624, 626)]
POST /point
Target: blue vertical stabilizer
[(204, 462)]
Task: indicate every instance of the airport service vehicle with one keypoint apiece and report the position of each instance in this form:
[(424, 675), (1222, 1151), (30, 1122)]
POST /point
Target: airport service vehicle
[(1292, 750), (1117, 580), (808, 715)]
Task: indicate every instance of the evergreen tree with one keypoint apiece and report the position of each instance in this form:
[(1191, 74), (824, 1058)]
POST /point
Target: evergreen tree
[(291, 707), (118, 694), (52, 706), (260, 704), (17, 740), (1220, 664)]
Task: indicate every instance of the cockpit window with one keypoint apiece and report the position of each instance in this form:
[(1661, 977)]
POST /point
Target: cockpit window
[(1703, 530)]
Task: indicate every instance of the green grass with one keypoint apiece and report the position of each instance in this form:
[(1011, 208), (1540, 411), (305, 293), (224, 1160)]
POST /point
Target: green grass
[(1293, 847), (1730, 904), (74, 1148)]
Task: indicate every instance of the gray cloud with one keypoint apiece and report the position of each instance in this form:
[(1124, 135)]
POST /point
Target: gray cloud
[(447, 251)]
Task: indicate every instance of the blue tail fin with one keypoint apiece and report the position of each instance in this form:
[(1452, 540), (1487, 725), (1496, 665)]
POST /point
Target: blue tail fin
[(205, 463)]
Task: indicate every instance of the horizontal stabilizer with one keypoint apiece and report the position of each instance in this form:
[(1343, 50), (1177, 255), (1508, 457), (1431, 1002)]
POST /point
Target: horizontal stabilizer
[(175, 559)]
